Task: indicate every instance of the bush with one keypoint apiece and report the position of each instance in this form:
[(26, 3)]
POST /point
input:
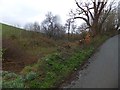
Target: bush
[(12, 80), (2, 52), (4, 73), (30, 76), (9, 75), (17, 83), (26, 70)]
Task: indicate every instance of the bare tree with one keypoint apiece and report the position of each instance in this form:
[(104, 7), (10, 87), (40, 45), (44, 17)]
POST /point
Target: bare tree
[(82, 27), (32, 27), (90, 12), (110, 22), (59, 31), (51, 26), (68, 25), (73, 28), (36, 27), (29, 26)]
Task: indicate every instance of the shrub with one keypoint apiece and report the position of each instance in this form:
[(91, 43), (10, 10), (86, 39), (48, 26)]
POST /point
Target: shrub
[(9, 75), (30, 76), (17, 83), (36, 67), (26, 70), (4, 73), (2, 52), (12, 80)]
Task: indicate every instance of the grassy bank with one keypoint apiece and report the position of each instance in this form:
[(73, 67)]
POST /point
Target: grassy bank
[(52, 69), (21, 48), (46, 73)]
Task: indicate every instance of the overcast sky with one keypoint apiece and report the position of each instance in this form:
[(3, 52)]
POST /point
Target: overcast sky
[(24, 11)]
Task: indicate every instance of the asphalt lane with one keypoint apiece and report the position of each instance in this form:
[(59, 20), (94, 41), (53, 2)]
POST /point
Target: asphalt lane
[(102, 72)]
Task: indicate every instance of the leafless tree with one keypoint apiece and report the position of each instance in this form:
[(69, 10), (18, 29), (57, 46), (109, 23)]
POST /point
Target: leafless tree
[(51, 26), (90, 12), (32, 27), (36, 27), (82, 27), (28, 26), (68, 25), (73, 28), (110, 22)]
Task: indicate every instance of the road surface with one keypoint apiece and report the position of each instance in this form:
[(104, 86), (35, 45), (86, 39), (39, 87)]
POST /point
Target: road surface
[(102, 72)]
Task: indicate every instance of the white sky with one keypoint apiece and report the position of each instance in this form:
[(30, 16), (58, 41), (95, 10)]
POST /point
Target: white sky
[(24, 11)]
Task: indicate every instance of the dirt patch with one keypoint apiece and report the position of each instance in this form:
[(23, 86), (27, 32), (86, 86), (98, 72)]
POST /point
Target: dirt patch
[(14, 57)]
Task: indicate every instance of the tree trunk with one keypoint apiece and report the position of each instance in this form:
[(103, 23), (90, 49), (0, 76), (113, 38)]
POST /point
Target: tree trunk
[(94, 28)]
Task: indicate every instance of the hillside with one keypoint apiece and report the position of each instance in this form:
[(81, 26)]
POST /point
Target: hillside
[(23, 47)]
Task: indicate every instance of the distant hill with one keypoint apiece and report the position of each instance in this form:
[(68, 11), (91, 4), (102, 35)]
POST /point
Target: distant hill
[(8, 30), (6, 26)]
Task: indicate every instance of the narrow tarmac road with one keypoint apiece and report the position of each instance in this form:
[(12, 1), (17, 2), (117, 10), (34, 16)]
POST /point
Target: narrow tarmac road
[(102, 72)]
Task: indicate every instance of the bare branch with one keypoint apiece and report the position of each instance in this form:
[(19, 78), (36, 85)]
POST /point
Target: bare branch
[(91, 13), (88, 9), (102, 6), (80, 7), (98, 5), (84, 20)]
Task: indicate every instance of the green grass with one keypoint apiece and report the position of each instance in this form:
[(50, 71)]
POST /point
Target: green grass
[(55, 69), (11, 80), (35, 44), (10, 30), (0, 26)]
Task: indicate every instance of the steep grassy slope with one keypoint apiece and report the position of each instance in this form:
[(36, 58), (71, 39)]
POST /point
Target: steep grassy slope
[(8, 30), (22, 47)]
